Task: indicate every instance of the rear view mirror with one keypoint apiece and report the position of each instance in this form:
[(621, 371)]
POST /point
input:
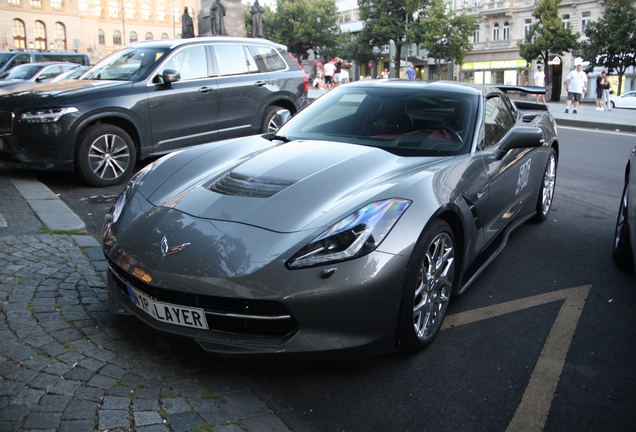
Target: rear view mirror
[(170, 76), (282, 116), (520, 137)]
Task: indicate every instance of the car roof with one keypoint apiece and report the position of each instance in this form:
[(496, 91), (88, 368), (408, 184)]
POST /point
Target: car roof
[(443, 86), (45, 64), (174, 43)]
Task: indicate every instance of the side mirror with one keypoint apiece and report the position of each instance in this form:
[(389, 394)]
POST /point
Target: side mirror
[(40, 78), (281, 117), (170, 75), (520, 137)]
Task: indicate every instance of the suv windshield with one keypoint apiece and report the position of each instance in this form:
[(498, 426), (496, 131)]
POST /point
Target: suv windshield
[(404, 121), (127, 64), (21, 72), (5, 58)]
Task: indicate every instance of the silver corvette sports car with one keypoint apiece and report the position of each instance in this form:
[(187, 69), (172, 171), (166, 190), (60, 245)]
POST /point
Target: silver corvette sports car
[(346, 231)]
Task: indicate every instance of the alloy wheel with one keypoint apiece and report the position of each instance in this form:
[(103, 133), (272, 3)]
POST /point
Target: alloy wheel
[(108, 156), (548, 185)]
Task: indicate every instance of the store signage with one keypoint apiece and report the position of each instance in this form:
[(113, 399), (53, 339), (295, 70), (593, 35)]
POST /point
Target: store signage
[(495, 64)]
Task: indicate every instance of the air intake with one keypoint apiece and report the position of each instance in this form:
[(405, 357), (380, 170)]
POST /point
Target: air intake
[(240, 185)]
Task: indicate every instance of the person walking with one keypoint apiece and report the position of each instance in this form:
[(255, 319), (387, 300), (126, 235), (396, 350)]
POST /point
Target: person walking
[(344, 76), (337, 76), (601, 84), (575, 85), (330, 69), (539, 80), (385, 73), (410, 73)]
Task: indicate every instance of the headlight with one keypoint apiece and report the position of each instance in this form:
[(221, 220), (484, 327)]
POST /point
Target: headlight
[(46, 115), (356, 235), (120, 203)]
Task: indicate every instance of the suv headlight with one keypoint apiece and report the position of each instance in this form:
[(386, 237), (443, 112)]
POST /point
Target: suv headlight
[(46, 115), (354, 236)]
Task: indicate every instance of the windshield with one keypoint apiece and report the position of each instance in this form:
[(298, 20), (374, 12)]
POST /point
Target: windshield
[(127, 64), (4, 58), (21, 72), (403, 120), (71, 74)]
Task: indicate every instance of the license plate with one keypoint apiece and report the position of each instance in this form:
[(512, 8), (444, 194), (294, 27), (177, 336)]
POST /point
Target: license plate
[(168, 313)]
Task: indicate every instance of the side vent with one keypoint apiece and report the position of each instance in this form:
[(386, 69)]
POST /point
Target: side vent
[(243, 186), (527, 118), (473, 210)]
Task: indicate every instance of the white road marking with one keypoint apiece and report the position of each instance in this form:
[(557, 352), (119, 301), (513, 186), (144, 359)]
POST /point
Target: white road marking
[(532, 412)]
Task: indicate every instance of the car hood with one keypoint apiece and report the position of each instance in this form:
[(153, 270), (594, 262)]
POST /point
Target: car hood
[(284, 187), (56, 93)]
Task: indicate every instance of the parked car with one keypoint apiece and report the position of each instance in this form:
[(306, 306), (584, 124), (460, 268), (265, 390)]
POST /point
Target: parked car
[(149, 98), (15, 58), (71, 74), (347, 230), (626, 100), (33, 73), (625, 232)]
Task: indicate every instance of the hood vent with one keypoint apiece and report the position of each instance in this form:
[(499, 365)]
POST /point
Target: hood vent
[(243, 186)]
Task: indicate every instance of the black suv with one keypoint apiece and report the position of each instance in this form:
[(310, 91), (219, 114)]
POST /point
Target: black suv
[(149, 98)]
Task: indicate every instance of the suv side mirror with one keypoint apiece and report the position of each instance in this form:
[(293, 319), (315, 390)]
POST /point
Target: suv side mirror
[(520, 137), (170, 75), (281, 117)]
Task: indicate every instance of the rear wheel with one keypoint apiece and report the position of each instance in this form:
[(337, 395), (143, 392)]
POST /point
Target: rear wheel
[(612, 104), (429, 286), (105, 156), (622, 250), (269, 121), (546, 190)]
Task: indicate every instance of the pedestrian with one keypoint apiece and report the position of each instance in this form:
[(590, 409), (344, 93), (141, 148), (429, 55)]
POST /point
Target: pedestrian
[(344, 76), (601, 84), (575, 85), (330, 69), (337, 76), (410, 73), (539, 80), (385, 73)]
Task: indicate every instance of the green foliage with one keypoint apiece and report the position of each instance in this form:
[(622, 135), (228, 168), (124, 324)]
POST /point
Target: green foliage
[(547, 36), (612, 39), (302, 25), (443, 32), (356, 49)]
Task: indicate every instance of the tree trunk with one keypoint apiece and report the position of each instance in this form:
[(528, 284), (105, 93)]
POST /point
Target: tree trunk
[(398, 58)]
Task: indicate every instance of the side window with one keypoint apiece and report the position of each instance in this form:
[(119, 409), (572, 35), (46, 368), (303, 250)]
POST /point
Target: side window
[(21, 59), (190, 62), (234, 60), (50, 72), (498, 121), (269, 58)]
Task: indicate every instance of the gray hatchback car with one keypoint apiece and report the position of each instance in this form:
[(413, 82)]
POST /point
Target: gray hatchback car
[(149, 98)]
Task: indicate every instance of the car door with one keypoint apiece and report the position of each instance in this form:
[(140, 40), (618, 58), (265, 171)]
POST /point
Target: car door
[(185, 112), (243, 90), (510, 193)]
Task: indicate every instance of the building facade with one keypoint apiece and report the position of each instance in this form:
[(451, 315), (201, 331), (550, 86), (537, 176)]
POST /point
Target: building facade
[(96, 27)]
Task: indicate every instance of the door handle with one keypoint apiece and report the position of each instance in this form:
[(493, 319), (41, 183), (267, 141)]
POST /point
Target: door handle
[(205, 89), (260, 83)]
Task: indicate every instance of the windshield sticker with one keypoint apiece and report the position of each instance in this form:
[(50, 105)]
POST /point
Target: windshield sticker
[(524, 174)]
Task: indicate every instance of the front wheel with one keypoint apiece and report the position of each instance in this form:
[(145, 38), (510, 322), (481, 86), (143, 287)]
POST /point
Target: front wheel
[(429, 286), (546, 190), (612, 105), (105, 155), (269, 123), (622, 251)]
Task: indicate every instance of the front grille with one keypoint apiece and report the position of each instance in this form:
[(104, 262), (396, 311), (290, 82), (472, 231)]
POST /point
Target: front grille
[(240, 185), (243, 316), (6, 122), (39, 151)]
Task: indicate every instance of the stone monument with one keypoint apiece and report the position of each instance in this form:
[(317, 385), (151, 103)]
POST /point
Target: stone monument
[(234, 19), (187, 28), (257, 12)]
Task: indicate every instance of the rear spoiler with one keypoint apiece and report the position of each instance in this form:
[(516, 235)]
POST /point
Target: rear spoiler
[(517, 88)]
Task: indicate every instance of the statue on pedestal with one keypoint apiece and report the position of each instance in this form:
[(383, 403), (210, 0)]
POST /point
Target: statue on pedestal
[(257, 12), (187, 27), (217, 12)]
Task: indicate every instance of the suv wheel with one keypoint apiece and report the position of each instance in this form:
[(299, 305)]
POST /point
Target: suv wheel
[(105, 155), (269, 122)]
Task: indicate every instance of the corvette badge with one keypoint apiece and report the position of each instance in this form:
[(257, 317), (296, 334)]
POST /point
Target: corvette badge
[(165, 250)]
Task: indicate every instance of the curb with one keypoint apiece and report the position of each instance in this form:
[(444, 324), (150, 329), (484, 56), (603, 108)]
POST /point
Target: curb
[(595, 125)]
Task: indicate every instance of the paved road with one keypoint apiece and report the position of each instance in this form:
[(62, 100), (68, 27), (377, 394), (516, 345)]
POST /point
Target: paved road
[(476, 376)]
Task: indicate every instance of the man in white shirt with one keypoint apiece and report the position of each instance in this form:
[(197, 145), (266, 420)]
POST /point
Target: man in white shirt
[(330, 69), (575, 85), (539, 80)]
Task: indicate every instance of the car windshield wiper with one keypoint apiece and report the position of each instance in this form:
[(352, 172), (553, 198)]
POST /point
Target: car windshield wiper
[(280, 138)]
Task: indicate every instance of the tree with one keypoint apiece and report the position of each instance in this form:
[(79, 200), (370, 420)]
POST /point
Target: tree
[(612, 39), (303, 25), (356, 49), (444, 33), (547, 36), (387, 20)]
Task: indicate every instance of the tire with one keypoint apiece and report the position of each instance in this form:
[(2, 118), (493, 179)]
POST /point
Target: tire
[(269, 124), (546, 189), (622, 250), (105, 155), (612, 105), (430, 282)]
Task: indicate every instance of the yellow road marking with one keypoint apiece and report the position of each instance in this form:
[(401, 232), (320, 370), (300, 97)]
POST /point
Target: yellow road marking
[(534, 408)]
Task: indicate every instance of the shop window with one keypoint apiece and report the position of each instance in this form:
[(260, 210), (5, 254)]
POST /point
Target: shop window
[(116, 37), (113, 9), (19, 34), (60, 35), (506, 31), (101, 37), (495, 32), (145, 12), (149, 36), (133, 36), (161, 13), (526, 27), (566, 21), (130, 11), (585, 20), (40, 35), (97, 8)]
